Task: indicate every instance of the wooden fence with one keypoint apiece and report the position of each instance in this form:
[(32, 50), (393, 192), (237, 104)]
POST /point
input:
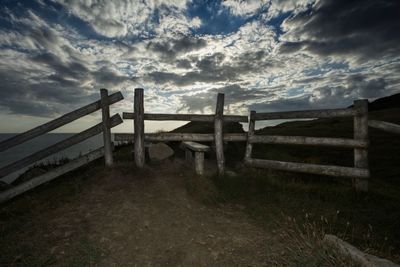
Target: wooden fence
[(106, 151), (139, 137), (360, 171), (385, 126)]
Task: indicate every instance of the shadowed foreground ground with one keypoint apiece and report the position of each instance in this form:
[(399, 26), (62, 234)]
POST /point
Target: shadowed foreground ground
[(126, 217)]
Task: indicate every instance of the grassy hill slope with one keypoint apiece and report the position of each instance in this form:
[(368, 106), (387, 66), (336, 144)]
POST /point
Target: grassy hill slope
[(320, 203)]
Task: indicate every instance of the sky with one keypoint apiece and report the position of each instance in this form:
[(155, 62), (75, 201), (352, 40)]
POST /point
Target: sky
[(264, 55)]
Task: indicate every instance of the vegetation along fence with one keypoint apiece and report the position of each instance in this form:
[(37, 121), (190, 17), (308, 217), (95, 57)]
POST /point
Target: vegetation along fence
[(106, 151)]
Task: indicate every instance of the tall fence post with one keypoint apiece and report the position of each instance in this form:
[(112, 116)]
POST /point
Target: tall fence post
[(361, 133), (105, 114), (218, 132), (250, 133), (138, 126)]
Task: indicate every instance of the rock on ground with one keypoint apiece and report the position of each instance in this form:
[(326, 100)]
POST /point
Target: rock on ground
[(160, 151)]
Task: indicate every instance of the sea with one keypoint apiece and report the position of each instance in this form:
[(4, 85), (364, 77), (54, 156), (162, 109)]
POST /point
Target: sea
[(25, 149)]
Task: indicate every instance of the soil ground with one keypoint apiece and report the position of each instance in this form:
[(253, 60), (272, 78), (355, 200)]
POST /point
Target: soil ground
[(129, 217)]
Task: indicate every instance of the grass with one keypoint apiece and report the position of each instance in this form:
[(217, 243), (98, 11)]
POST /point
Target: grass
[(325, 204), (370, 221), (26, 214), (367, 221)]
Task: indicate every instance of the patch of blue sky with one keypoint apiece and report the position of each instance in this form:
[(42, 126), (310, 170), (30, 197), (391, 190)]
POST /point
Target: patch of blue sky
[(54, 13), (295, 92), (334, 65), (325, 67), (276, 22), (127, 67), (216, 18), (271, 79), (15, 48)]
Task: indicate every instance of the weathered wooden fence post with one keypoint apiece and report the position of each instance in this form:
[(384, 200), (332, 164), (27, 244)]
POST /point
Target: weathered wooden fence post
[(250, 133), (138, 126), (105, 114), (218, 134), (361, 134)]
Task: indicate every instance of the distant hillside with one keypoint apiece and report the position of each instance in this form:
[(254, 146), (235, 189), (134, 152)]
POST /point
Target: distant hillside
[(208, 127), (387, 102)]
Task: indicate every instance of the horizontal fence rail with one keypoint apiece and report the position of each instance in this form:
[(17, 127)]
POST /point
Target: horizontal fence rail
[(309, 168), (360, 171), (385, 126), (52, 174), (75, 139), (56, 123), (184, 117), (306, 114), (309, 141), (164, 137)]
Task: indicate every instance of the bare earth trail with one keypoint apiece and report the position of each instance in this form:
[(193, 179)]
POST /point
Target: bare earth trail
[(149, 219)]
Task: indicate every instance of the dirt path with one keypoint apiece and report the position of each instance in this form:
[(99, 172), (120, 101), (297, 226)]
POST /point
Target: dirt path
[(148, 219)]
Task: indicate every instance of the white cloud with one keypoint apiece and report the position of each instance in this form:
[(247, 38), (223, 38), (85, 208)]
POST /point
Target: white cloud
[(244, 8), (125, 17)]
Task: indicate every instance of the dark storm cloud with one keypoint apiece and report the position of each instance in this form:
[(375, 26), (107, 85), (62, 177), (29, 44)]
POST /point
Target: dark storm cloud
[(107, 77), (188, 78), (299, 103), (56, 93), (213, 68), (72, 69), (367, 29), (44, 98), (172, 47), (184, 64), (366, 88), (234, 94), (208, 69), (334, 96)]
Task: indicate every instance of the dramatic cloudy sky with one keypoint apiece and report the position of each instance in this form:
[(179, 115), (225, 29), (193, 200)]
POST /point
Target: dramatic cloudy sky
[(264, 55)]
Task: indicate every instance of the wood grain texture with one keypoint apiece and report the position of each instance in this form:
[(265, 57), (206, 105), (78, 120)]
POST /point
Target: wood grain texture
[(138, 126), (309, 141), (164, 137), (309, 168), (218, 128), (184, 117), (199, 163), (105, 115), (250, 134), (195, 146), (361, 134), (304, 114)]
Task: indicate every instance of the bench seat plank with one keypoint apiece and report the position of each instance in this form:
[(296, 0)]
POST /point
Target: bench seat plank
[(195, 146)]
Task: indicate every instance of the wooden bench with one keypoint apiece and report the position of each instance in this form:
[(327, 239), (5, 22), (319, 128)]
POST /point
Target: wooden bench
[(198, 150)]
